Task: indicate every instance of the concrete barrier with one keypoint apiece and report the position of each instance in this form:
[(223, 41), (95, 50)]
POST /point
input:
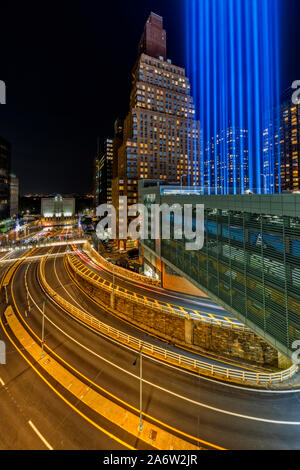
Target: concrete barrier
[(199, 335), (118, 270)]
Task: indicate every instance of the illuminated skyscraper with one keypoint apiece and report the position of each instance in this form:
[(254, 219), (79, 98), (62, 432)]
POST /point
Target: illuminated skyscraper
[(232, 50), (284, 173), (14, 195), (5, 165), (103, 173), (161, 138), (225, 175)]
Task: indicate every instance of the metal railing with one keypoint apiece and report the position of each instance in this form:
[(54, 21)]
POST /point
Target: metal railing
[(166, 355), (151, 304), (118, 269)]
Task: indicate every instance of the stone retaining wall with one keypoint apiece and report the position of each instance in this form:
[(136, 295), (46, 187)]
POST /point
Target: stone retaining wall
[(197, 335)]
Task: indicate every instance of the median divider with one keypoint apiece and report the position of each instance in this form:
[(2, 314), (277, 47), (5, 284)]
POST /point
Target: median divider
[(162, 354)]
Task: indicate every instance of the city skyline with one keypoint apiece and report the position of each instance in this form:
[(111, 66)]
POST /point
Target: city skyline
[(149, 230), (52, 130)]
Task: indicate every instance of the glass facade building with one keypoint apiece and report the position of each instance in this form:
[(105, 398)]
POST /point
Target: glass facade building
[(250, 261), (228, 175), (282, 173)]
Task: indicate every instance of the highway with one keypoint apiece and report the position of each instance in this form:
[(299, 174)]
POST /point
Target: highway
[(202, 306), (197, 410)]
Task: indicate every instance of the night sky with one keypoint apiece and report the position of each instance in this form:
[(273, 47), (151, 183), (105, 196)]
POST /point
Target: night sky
[(67, 68)]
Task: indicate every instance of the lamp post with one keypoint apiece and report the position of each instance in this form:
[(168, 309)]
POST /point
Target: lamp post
[(140, 428), (43, 320)]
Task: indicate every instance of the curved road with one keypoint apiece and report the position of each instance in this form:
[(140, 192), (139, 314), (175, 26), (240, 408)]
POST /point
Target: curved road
[(216, 414)]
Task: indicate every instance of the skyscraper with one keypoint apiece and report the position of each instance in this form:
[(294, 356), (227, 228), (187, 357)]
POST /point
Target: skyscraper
[(14, 195), (284, 173), (161, 137), (5, 164), (103, 173), (225, 176)]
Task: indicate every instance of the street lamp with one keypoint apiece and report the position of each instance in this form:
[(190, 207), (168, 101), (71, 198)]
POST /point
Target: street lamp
[(140, 428), (43, 321)]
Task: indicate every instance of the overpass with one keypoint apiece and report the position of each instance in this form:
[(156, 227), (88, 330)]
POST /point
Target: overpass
[(250, 261)]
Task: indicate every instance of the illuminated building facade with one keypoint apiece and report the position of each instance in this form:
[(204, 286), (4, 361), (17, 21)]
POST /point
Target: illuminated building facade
[(232, 51), (284, 172), (229, 175), (14, 195), (161, 138), (5, 164), (103, 173), (57, 207)]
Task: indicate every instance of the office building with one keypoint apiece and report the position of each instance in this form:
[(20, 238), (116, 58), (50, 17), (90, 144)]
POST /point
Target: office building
[(14, 195), (5, 165), (161, 138), (103, 173), (229, 174), (57, 208), (282, 172)]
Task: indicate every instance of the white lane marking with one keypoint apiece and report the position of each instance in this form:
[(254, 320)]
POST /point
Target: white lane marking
[(40, 435), (71, 297), (84, 310), (237, 387), (1, 382), (189, 400)]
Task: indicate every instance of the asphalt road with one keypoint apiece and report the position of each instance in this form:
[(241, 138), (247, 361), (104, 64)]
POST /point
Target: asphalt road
[(61, 282), (203, 305), (221, 414)]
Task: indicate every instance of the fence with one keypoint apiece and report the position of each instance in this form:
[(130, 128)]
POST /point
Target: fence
[(149, 303)]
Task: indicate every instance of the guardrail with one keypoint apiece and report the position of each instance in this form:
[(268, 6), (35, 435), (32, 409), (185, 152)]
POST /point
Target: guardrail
[(118, 269), (162, 354), (153, 305)]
